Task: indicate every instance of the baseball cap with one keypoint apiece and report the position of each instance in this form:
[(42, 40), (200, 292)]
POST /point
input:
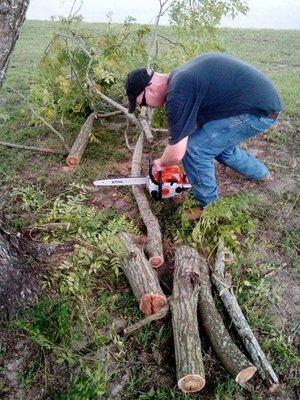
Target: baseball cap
[(136, 82)]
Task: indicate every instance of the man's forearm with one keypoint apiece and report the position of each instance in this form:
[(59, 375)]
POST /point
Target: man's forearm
[(170, 157), (173, 154)]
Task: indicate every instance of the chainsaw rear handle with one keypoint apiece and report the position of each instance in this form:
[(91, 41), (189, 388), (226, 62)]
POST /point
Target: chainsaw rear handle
[(159, 183)]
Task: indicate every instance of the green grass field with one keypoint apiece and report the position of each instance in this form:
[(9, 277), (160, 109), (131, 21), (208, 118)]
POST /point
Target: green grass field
[(62, 340)]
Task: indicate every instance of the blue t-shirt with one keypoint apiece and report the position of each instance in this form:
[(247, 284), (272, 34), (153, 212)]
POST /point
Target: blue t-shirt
[(215, 86)]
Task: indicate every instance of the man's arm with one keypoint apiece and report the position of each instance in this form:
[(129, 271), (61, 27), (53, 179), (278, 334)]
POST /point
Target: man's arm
[(172, 155)]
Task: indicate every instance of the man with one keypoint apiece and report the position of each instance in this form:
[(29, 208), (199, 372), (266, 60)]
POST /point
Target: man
[(213, 103)]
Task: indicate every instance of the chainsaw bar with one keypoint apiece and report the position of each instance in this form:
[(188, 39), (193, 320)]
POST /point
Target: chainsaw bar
[(121, 182)]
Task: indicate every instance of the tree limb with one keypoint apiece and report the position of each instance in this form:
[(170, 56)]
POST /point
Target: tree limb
[(257, 355)]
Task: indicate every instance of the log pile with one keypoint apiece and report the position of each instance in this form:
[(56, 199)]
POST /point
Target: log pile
[(192, 290)]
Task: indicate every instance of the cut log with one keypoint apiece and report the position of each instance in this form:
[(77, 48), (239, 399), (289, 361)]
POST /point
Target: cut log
[(189, 363), (154, 247), (81, 141), (234, 361), (141, 277), (229, 300)]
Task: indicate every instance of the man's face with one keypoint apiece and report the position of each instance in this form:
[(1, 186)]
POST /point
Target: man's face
[(152, 96)]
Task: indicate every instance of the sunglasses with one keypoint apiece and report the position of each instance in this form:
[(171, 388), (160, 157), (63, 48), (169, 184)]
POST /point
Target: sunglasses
[(143, 102)]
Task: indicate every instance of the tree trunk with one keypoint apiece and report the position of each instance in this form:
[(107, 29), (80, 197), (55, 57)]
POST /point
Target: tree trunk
[(12, 16), (14, 284), (189, 364), (17, 287)]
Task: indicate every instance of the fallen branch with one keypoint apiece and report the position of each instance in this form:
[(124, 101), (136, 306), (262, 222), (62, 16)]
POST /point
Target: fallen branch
[(257, 355), (142, 279), (154, 246), (145, 321), (189, 363), (140, 123), (31, 148), (231, 357), (80, 143)]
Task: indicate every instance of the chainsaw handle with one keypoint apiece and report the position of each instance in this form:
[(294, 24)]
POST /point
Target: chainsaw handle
[(159, 183)]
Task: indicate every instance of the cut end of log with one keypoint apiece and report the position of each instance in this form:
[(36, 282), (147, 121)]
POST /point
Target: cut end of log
[(191, 383), (151, 303), (156, 261), (72, 161), (245, 375), (274, 388)]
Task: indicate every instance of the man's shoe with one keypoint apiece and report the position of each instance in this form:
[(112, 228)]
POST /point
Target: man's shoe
[(266, 178), (234, 174), (192, 214)]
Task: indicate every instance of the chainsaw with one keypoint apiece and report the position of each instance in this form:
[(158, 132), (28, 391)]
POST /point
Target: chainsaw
[(169, 182)]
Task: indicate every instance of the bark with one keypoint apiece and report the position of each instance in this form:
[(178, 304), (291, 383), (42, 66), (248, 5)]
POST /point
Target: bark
[(257, 355), (189, 364), (17, 284), (12, 16), (141, 277), (80, 143), (154, 246), (146, 127), (231, 357)]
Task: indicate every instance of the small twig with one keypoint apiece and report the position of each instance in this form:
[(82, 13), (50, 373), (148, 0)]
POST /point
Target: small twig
[(108, 114), (275, 271), (174, 43), (160, 130), (126, 137), (154, 317), (290, 210), (73, 14), (32, 148), (40, 117), (51, 226)]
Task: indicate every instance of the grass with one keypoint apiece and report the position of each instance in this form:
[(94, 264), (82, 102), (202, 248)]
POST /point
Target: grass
[(85, 296)]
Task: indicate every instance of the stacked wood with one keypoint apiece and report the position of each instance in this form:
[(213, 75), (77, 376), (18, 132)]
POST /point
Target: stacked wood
[(141, 277), (81, 141), (229, 300), (228, 353), (154, 247), (189, 363)]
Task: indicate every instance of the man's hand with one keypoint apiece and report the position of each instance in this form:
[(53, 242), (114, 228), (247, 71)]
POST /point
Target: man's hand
[(157, 165)]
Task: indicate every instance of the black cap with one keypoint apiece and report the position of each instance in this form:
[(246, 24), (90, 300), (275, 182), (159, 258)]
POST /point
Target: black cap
[(136, 82)]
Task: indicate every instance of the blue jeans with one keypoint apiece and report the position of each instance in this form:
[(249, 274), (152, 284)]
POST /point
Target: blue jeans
[(218, 140)]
